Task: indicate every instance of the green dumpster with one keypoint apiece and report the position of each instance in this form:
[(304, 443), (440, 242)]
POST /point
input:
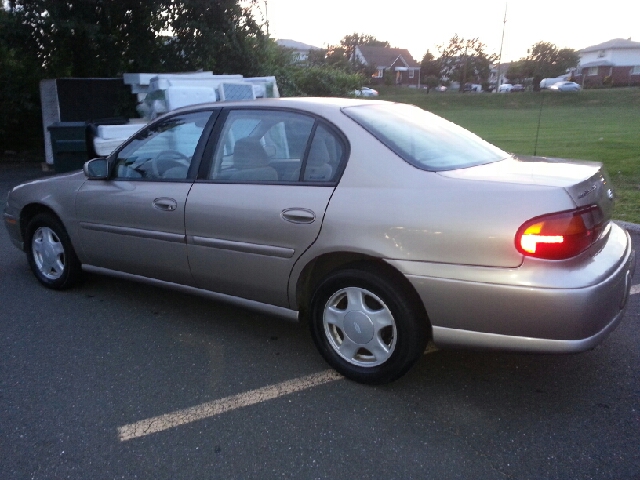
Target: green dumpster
[(69, 145)]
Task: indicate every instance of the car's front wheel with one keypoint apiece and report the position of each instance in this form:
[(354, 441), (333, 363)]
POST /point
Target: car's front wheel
[(367, 326), (50, 253)]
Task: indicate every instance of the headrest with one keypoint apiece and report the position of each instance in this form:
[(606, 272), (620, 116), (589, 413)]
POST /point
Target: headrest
[(248, 152)]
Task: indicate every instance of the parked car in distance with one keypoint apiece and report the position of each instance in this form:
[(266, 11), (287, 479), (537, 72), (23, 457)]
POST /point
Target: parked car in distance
[(565, 87), (380, 224), (547, 82), (472, 87), (517, 88), (505, 88), (440, 88), (366, 92)]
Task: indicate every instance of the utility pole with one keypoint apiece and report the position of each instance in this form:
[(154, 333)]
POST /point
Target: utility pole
[(504, 24), (464, 71)]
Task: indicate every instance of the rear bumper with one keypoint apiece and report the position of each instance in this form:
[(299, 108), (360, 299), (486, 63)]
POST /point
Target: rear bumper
[(514, 316), (455, 338)]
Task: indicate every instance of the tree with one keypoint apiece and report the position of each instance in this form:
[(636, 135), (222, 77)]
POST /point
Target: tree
[(337, 57), (106, 38), (429, 66), (350, 42), (316, 58), (465, 60), (217, 35), (545, 60), (342, 56), (92, 38), (519, 70), (20, 74)]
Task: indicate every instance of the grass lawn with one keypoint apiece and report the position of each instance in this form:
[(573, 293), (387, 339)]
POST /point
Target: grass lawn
[(600, 125)]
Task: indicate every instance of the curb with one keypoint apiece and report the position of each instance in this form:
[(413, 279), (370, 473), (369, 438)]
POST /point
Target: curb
[(631, 227)]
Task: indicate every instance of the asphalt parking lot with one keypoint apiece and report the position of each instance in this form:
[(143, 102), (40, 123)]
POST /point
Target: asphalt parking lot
[(116, 379)]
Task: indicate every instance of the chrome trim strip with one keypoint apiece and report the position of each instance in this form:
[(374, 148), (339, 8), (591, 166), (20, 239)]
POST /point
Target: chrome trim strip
[(281, 312), (244, 247), (458, 338), (135, 232)]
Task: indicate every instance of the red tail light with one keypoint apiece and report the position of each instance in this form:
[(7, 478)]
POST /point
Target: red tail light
[(558, 236)]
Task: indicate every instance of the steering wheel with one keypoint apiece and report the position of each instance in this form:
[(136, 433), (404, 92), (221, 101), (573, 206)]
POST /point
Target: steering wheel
[(168, 159)]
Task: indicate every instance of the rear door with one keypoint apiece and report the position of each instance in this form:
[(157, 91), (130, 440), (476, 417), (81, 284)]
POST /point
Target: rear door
[(260, 202)]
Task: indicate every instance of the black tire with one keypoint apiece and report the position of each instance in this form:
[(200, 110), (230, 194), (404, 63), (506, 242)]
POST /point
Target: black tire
[(50, 253), (343, 337)]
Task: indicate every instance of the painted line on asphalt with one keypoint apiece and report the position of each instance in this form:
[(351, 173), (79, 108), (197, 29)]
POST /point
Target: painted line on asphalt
[(211, 409), (227, 404)]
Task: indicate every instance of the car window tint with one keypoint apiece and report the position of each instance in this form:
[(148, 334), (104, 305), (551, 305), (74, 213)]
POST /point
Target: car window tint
[(424, 139), (163, 152), (261, 146)]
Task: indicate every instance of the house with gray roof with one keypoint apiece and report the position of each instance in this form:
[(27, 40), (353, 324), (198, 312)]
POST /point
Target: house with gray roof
[(615, 63), (405, 69), (300, 50)]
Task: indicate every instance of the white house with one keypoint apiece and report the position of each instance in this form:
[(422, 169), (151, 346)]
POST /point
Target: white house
[(616, 63)]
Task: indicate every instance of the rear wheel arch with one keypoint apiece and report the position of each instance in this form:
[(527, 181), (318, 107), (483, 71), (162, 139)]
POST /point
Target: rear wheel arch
[(366, 322), (320, 267)]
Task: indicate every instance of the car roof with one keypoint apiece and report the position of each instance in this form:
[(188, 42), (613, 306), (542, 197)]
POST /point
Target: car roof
[(303, 103)]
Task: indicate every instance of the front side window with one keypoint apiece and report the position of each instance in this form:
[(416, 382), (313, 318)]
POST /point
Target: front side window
[(163, 152), (423, 139), (271, 146)]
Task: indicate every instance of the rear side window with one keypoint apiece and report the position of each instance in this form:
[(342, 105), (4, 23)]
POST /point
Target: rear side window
[(423, 139), (275, 146)]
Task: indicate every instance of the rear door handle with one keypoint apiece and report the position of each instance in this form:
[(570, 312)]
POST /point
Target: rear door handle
[(165, 204), (298, 215)]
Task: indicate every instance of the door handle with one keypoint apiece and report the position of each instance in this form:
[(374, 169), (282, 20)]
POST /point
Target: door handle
[(165, 204), (298, 215)]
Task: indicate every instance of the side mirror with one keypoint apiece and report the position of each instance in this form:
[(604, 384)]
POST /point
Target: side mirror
[(96, 169)]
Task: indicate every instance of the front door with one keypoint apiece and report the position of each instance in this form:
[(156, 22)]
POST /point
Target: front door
[(134, 221)]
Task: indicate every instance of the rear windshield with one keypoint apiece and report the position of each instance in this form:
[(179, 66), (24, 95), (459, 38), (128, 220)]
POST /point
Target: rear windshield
[(423, 139)]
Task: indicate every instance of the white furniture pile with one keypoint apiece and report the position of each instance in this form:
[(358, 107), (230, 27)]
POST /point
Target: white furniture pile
[(161, 93)]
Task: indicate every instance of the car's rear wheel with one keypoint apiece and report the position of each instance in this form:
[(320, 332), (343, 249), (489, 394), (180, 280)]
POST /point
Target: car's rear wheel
[(50, 253), (366, 326)]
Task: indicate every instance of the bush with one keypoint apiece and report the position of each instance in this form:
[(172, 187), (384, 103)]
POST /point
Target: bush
[(389, 78), (431, 81), (317, 81)]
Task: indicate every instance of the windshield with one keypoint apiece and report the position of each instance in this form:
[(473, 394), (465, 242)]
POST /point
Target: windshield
[(423, 139)]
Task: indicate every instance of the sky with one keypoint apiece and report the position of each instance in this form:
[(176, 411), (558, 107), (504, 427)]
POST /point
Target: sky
[(423, 24)]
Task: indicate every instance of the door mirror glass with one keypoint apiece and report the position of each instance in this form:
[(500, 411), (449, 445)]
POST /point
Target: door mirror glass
[(96, 169)]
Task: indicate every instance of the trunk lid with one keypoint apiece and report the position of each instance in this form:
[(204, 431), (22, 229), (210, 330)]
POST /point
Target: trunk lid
[(587, 183)]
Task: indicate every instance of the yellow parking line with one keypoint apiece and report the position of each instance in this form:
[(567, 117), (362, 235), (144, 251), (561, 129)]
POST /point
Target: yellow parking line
[(211, 409)]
